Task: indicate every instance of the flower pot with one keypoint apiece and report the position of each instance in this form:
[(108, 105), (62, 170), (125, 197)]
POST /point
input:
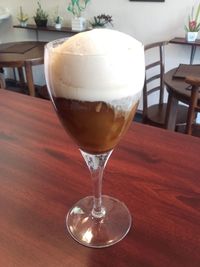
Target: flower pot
[(23, 23), (58, 26), (191, 36), (41, 22), (78, 24)]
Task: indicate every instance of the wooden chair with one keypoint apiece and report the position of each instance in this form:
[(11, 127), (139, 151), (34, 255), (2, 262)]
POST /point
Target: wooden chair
[(154, 114), (194, 106)]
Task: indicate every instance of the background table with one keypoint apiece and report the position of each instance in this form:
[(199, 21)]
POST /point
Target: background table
[(183, 41), (154, 171), (178, 91), (23, 54)]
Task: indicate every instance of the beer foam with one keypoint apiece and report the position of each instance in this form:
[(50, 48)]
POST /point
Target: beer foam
[(97, 65)]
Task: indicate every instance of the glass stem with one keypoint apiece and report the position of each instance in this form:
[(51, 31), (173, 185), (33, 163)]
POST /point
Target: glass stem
[(96, 164)]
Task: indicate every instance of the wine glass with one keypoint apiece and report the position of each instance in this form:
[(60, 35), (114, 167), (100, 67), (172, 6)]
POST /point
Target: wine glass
[(95, 81)]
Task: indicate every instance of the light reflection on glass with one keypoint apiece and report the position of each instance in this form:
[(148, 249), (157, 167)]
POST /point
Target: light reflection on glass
[(85, 220), (87, 237), (77, 210)]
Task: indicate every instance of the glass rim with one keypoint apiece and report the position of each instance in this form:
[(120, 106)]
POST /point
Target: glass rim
[(49, 46)]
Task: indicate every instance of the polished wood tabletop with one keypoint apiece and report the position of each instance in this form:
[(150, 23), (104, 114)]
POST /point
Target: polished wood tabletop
[(23, 54), (154, 171), (178, 90), (178, 85)]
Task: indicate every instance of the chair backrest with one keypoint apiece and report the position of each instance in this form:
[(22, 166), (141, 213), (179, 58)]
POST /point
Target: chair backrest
[(193, 103), (154, 71)]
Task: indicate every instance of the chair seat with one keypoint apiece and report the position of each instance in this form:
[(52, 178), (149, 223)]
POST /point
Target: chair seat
[(157, 113)]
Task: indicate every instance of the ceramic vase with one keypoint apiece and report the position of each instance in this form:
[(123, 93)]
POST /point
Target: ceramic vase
[(191, 36), (23, 23), (58, 26), (78, 24)]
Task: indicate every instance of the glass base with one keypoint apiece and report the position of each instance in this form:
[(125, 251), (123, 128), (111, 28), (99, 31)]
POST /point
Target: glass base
[(98, 232)]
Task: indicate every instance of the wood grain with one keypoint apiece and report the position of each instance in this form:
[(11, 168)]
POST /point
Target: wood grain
[(154, 171)]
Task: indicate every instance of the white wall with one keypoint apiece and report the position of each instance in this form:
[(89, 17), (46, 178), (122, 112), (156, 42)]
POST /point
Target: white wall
[(146, 21)]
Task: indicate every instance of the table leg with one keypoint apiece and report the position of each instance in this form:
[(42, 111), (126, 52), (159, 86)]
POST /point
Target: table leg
[(21, 77), (172, 107), (29, 78), (37, 35), (193, 51)]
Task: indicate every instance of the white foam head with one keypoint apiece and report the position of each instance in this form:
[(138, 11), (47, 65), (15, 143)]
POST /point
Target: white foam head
[(97, 65)]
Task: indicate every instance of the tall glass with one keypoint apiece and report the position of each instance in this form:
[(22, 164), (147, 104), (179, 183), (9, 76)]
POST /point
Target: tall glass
[(95, 97)]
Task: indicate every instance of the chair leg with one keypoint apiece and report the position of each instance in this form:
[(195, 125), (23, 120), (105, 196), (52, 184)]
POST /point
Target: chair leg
[(2, 81), (171, 113), (191, 109)]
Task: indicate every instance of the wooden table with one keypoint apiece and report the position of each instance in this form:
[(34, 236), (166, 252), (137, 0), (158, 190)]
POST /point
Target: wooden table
[(183, 41), (154, 171), (178, 91), (23, 54)]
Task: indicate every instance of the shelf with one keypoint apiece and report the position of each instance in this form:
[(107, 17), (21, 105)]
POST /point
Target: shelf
[(46, 29), (66, 30), (183, 41)]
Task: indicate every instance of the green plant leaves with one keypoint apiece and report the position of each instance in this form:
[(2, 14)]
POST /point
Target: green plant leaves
[(193, 20), (77, 6), (197, 13)]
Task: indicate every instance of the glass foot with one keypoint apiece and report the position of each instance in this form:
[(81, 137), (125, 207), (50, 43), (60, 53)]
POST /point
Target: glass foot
[(98, 232)]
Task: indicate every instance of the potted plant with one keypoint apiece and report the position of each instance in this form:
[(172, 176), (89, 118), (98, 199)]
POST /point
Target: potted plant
[(41, 17), (76, 7), (101, 21), (57, 19), (193, 26), (58, 22), (23, 18)]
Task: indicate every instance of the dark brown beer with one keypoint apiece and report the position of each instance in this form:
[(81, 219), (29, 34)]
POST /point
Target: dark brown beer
[(97, 126)]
